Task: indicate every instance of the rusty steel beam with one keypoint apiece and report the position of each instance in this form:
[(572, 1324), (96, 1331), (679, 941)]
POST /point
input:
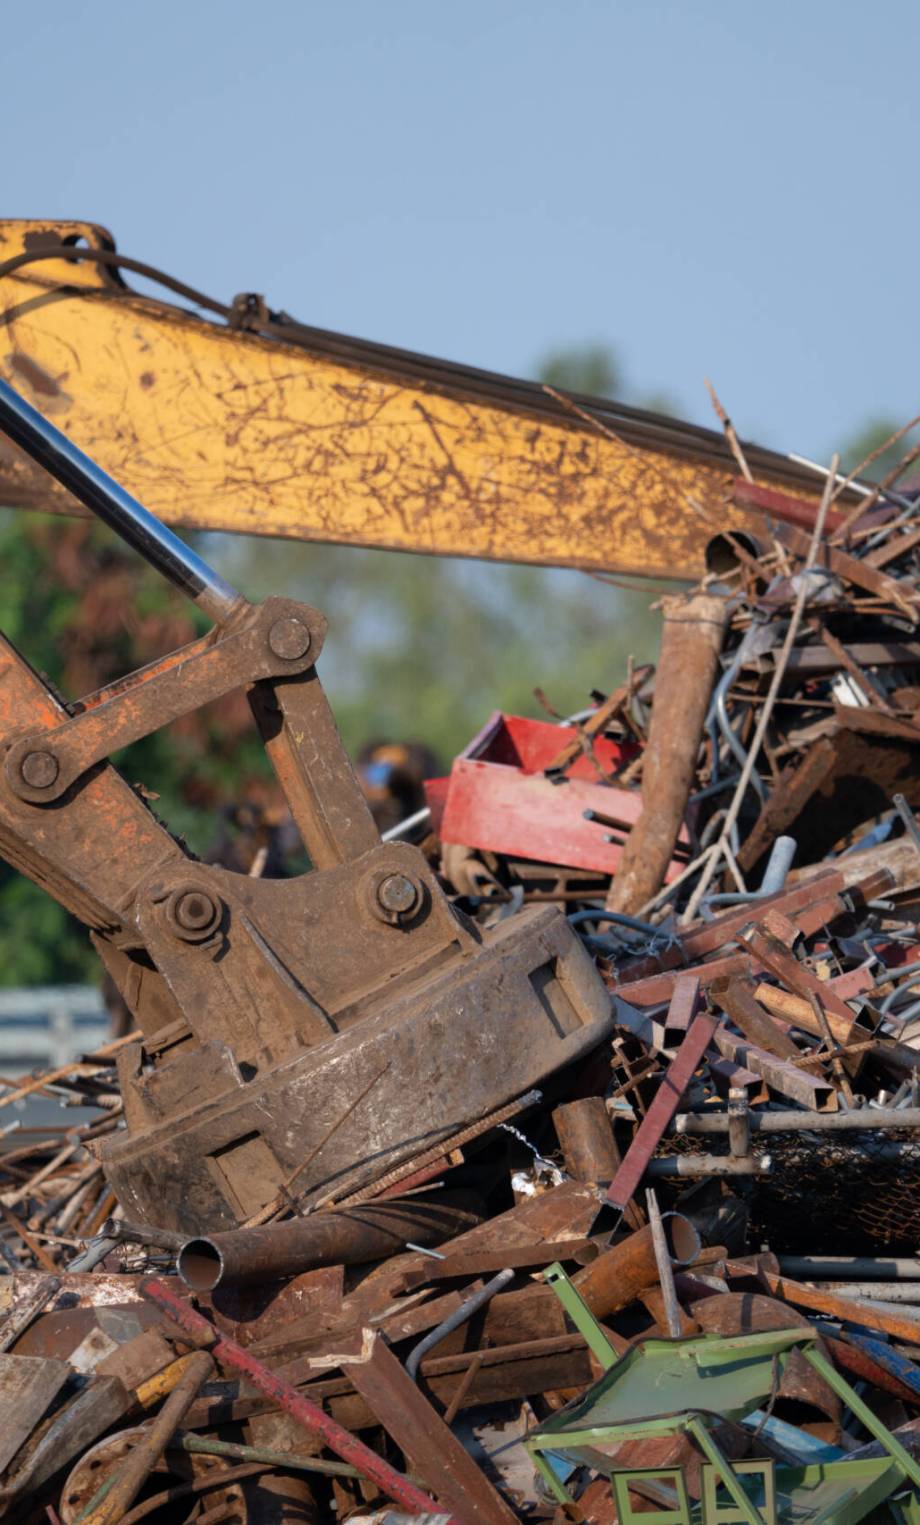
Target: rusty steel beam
[(846, 1309), (502, 1372), (666, 1101), (454, 1478)]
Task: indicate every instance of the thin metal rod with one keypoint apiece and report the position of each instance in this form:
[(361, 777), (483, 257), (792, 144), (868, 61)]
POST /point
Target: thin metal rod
[(701, 1166), (663, 1262), (143, 1458), (460, 1315), (861, 1120), (908, 818), (768, 703), (136, 525), (884, 1267), (879, 1291), (287, 1398)]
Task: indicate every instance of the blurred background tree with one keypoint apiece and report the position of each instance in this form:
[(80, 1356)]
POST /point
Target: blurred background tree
[(589, 367), (867, 438)]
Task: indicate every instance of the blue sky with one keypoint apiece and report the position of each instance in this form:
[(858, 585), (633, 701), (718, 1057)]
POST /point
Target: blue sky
[(716, 188)]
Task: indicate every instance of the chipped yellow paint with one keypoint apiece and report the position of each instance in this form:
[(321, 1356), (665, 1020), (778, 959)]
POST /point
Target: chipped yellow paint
[(216, 429)]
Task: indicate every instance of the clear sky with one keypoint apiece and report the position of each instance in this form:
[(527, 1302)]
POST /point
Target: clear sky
[(715, 187)]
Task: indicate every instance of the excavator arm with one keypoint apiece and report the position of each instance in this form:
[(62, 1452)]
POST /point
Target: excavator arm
[(266, 1010), (247, 421)]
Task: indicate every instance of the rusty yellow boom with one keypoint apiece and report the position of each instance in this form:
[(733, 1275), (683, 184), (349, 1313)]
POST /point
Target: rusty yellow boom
[(233, 417)]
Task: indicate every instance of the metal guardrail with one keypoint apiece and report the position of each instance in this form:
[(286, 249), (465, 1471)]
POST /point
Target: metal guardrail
[(48, 1025)]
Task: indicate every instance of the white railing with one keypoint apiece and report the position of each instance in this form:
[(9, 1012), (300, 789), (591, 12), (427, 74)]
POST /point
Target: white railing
[(48, 1025)]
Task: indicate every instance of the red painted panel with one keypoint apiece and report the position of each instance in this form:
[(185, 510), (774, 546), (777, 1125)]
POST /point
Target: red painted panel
[(498, 798)]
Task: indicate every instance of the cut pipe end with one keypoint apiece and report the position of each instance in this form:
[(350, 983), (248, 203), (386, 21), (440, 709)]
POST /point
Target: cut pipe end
[(201, 1265), (683, 1241)]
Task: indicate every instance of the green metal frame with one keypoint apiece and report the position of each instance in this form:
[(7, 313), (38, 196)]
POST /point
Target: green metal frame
[(872, 1480)]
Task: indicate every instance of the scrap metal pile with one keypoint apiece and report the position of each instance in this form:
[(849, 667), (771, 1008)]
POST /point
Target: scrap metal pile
[(465, 1207)]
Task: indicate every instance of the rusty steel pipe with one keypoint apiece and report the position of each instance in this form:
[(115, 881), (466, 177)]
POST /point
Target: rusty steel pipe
[(616, 1277), (690, 645), (345, 1236)]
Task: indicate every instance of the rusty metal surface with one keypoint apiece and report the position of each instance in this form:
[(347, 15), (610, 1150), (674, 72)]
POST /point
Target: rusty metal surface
[(690, 646), (615, 1278), (437, 1455), (349, 1236), (305, 1049), (662, 1109), (28, 1385), (286, 1397), (104, 1460)]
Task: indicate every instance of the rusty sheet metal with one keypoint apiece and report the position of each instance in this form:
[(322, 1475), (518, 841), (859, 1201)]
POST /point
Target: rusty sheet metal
[(305, 1412), (112, 1301), (797, 784), (340, 440), (501, 1373), (874, 1361)]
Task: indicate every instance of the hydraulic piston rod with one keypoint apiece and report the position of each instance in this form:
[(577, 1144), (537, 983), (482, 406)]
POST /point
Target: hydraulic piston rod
[(136, 525)]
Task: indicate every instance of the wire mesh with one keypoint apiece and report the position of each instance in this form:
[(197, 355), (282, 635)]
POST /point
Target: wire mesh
[(828, 1193)]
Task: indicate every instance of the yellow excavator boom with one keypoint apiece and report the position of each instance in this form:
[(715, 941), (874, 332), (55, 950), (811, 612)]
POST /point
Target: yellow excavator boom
[(246, 421)]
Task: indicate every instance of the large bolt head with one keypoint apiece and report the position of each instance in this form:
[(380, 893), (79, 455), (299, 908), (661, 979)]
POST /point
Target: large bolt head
[(194, 910), (40, 769), (289, 639), (192, 913), (398, 894)]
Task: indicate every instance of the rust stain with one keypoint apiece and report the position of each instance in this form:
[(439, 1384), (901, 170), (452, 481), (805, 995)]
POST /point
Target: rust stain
[(41, 382)]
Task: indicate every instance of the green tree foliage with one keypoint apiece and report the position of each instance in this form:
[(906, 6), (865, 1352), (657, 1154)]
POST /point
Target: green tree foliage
[(592, 368), (423, 648), (867, 439)]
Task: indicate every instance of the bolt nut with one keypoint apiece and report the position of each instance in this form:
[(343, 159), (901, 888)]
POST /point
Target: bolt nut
[(289, 639), (40, 769), (397, 895), (193, 914)]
